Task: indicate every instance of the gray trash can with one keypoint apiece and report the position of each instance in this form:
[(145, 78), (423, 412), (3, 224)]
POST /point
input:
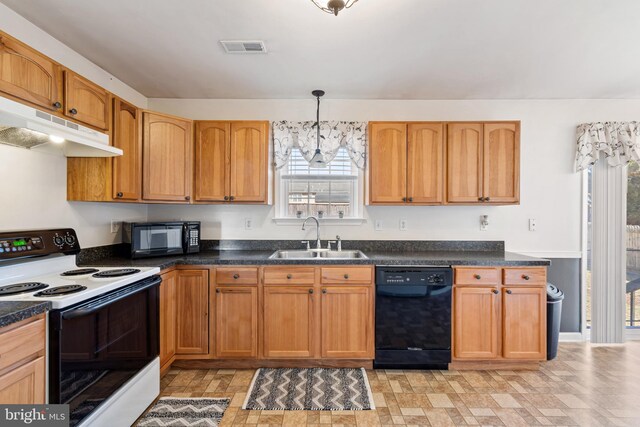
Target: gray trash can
[(554, 311)]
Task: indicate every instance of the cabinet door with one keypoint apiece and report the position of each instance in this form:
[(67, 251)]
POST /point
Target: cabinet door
[(127, 169), (502, 162), (167, 317), (28, 75), (25, 384), (387, 163), (212, 161), (236, 322), (192, 312), (524, 323), (248, 161), (425, 163), (85, 101), (464, 161), (289, 322), (167, 143), (347, 322), (476, 322)]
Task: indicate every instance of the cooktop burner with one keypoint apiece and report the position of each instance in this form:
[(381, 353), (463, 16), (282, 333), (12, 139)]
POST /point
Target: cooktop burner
[(116, 273), (60, 290), (20, 288), (80, 272)]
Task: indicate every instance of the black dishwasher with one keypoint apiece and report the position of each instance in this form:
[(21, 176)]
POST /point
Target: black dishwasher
[(413, 317)]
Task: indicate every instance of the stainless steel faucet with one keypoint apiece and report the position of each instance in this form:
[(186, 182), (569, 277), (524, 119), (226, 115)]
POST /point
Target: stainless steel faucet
[(318, 244)]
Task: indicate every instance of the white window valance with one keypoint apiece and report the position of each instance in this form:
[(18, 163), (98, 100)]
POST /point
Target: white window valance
[(619, 142), (351, 135)]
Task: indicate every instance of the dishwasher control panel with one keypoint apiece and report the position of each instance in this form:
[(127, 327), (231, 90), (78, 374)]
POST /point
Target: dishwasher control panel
[(413, 276)]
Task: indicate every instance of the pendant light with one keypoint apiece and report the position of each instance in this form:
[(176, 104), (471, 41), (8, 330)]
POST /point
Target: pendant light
[(334, 6), (317, 161)]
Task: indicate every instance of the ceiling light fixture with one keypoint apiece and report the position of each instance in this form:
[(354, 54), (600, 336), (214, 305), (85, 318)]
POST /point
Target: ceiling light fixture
[(317, 161), (334, 6)]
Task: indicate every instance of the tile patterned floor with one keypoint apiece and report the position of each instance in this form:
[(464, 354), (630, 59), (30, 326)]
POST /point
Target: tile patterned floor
[(586, 386)]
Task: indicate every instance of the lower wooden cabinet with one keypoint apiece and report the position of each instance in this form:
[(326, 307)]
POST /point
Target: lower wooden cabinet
[(167, 317), (503, 318), (347, 329), (236, 322), (192, 311), (289, 322), (22, 362)]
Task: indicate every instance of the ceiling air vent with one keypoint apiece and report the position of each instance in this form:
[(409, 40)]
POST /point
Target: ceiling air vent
[(244, 46)]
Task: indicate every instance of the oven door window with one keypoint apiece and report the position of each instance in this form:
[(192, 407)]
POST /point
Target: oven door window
[(158, 239), (102, 350)]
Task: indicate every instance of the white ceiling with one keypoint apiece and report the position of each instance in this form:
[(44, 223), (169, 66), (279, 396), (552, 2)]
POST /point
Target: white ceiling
[(380, 49)]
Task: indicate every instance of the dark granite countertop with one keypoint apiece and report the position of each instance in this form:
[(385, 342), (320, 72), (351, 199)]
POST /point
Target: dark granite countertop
[(248, 257), (15, 311)]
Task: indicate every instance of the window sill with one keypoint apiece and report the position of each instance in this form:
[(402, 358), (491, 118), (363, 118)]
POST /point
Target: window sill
[(332, 221)]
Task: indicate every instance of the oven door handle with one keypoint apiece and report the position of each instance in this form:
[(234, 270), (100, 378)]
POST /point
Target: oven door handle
[(100, 303)]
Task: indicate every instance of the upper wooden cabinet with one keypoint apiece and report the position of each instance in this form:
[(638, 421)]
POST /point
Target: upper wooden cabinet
[(85, 101), (192, 311), (127, 169), (29, 76), (231, 161), (167, 155), (406, 163), (483, 163)]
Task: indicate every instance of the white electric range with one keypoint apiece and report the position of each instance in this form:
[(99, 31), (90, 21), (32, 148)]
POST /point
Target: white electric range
[(103, 328)]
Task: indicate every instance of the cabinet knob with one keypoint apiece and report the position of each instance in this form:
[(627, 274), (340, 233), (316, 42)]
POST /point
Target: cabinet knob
[(411, 199), (404, 199), (119, 194), (346, 276), (477, 276), (235, 276), (187, 198), (217, 291), (226, 197), (486, 199), (495, 291), (525, 277), (310, 291), (57, 105), (289, 276), (481, 199), (509, 291), (73, 111), (324, 291), (231, 198)]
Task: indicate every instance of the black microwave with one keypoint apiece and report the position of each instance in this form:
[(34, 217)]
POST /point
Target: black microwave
[(149, 239)]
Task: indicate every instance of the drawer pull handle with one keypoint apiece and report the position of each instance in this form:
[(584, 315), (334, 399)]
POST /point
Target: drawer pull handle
[(495, 291), (477, 276), (217, 291), (289, 276), (525, 277), (509, 291), (346, 276), (235, 276), (310, 291), (324, 291)]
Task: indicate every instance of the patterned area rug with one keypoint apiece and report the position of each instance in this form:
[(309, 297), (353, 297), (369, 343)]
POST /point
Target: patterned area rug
[(315, 389), (187, 411)]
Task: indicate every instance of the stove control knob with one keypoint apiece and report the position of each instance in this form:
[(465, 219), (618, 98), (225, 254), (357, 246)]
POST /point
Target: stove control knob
[(58, 241), (70, 240)]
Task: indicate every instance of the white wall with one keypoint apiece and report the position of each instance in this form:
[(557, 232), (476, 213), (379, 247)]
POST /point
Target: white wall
[(33, 185), (550, 190)]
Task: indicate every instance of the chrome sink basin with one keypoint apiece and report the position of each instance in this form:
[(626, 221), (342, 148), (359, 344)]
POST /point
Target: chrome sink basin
[(317, 255)]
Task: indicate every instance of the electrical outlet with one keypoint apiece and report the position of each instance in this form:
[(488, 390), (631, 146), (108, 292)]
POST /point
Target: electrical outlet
[(403, 224), (378, 225), (532, 224), (115, 226), (248, 224)]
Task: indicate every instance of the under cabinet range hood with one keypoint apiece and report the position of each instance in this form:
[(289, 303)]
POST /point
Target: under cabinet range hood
[(26, 127)]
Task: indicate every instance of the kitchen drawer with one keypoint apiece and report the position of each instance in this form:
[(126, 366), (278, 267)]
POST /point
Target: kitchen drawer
[(339, 275), (289, 275), (524, 276), (22, 342), (476, 276), (237, 276)]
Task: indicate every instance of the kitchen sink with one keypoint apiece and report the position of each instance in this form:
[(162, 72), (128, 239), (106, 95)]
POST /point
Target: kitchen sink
[(317, 255)]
